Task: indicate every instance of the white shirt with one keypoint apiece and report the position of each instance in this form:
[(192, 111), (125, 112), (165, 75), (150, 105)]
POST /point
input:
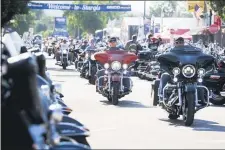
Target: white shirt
[(64, 46)]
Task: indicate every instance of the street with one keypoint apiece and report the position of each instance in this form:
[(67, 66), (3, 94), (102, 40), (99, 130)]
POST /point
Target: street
[(135, 123)]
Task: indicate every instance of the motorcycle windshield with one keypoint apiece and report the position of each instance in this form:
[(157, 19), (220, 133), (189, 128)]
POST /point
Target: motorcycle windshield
[(115, 55), (186, 55)]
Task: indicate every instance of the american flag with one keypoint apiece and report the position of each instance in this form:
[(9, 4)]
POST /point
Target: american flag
[(198, 11)]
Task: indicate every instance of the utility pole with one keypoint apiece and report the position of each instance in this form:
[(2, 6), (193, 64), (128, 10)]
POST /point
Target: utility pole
[(144, 16)]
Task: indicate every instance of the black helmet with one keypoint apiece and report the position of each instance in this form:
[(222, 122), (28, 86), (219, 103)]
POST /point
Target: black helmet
[(112, 39), (180, 40), (134, 37)]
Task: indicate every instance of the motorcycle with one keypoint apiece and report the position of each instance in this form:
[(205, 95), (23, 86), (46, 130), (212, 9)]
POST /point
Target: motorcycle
[(91, 68), (64, 58), (117, 65), (215, 81), (181, 95), (144, 57), (79, 59), (68, 127), (50, 49)]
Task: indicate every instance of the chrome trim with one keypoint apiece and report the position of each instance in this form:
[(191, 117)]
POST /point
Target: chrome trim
[(193, 67)]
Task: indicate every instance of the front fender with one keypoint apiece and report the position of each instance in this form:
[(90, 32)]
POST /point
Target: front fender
[(190, 88), (71, 129), (73, 121)]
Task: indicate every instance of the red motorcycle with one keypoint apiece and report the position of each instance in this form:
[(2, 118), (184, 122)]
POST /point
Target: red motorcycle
[(117, 65)]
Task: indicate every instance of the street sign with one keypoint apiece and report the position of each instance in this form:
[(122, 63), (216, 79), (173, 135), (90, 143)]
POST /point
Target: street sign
[(191, 5)]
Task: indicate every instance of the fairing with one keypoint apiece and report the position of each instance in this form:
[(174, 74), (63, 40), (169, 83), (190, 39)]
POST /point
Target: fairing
[(176, 58), (117, 55)]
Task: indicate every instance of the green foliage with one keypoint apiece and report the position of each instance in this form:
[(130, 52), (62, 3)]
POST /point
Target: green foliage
[(47, 33), (218, 6), (89, 21), (170, 9), (10, 8), (40, 27), (23, 22)]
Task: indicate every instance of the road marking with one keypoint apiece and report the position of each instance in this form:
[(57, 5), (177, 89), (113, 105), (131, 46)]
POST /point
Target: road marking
[(103, 129)]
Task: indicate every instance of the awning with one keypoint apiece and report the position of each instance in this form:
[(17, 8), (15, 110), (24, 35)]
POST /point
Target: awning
[(178, 31)]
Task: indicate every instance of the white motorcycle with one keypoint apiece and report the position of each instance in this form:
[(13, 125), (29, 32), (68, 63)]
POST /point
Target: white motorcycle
[(64, 58)]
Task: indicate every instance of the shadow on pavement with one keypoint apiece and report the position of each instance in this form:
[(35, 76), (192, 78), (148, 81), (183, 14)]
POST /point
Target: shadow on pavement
[(217, 106), (198, 125), (126, 104), (60, 69), (65, 75)]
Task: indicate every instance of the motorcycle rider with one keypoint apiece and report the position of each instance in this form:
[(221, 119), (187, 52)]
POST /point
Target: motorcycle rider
[(84, 45), (133, 44), (112, 47), (72, 52), (165, 77), (89, 48), (63, 45)]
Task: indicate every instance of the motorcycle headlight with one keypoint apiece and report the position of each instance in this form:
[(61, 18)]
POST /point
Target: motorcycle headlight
[(125, 66), (64, 51), (201, 72), (116, 65), (176, 71), (92, 57), (106, 66), (188, 71)]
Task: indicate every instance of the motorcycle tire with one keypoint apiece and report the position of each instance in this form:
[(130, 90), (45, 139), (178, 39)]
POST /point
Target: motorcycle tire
[(190, 109), (154, 92), (109, 99), (49, 54), (64, 66), (92, 77), (115, 93), (217, 102)]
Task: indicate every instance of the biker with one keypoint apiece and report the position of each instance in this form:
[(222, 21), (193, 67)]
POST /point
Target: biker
[(112, 47), (63, 45), (72, 52), (89, 48), (84, 45), (165, 77), (133, 41)]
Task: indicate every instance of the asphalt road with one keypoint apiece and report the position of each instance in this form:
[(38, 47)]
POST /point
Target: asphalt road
[(135, 123)]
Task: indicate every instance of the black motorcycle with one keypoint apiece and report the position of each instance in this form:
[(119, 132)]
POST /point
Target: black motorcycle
[(69, 127), (215, 81), (144, 57), (186, 66), (90, 68)]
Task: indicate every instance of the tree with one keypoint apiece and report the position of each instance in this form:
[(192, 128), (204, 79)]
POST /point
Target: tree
[(218, 6), (170, 9), (90, 21), (10, 8), (23, 22)]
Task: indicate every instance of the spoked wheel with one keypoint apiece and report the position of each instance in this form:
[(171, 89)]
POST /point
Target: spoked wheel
[(189, 109)]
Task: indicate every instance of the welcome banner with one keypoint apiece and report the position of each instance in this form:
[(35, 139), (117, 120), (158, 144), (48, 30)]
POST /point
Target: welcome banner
[(79, 7)]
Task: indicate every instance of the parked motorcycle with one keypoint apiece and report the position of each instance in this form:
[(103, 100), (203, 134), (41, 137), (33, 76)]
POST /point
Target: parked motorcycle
[(117, 65), (215, 81), (181, 95)]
